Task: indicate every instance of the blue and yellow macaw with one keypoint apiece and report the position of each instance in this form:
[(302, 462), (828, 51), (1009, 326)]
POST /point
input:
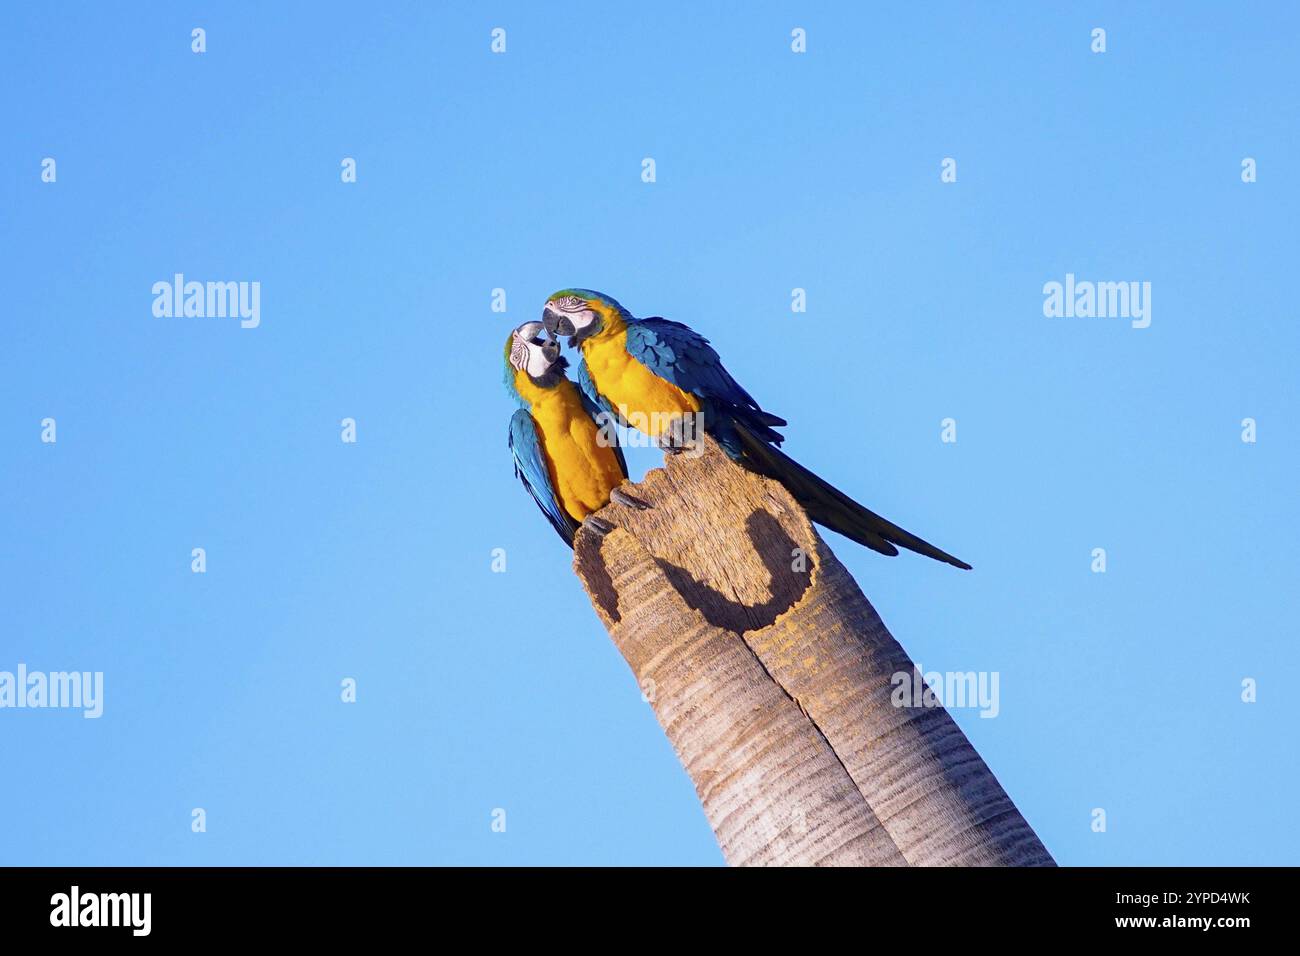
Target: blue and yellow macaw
[(569, 464), (658, 375)]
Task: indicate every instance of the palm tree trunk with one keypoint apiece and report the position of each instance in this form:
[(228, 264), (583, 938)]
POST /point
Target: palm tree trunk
[(771, 674)]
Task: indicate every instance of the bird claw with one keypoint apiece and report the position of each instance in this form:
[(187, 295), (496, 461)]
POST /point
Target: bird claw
[(598, 526), (680, 435), (623, 498)]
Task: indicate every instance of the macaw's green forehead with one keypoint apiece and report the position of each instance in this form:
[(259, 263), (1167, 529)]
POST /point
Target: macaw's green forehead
[(590, 295)]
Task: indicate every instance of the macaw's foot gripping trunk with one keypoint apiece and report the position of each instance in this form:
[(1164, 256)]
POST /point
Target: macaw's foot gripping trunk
[(774, 678)]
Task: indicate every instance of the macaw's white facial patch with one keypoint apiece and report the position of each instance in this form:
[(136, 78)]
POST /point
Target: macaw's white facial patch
[(526, 351), (582, 319), (519, 353), (577, 310)]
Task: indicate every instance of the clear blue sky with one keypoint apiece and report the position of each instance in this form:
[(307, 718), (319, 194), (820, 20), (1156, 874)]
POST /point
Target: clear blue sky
[(523, 171)]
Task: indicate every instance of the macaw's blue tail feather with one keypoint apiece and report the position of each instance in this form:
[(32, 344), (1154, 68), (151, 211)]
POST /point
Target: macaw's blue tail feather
[(825, 504), (724, 422)]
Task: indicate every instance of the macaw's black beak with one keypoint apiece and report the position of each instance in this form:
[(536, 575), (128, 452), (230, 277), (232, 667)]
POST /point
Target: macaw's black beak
[(556, 323), (551, 350)]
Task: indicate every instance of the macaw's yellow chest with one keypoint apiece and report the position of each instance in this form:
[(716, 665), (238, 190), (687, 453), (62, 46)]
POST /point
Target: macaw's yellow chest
[(583, 468), (646, 401)]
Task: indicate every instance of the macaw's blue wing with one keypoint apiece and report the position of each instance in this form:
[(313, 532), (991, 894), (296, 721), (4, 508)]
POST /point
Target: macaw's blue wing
[(531, 469), (681, 355), (684, 357)]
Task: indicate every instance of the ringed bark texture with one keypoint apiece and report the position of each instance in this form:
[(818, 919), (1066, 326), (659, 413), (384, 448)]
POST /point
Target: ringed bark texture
[(771, 674)]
